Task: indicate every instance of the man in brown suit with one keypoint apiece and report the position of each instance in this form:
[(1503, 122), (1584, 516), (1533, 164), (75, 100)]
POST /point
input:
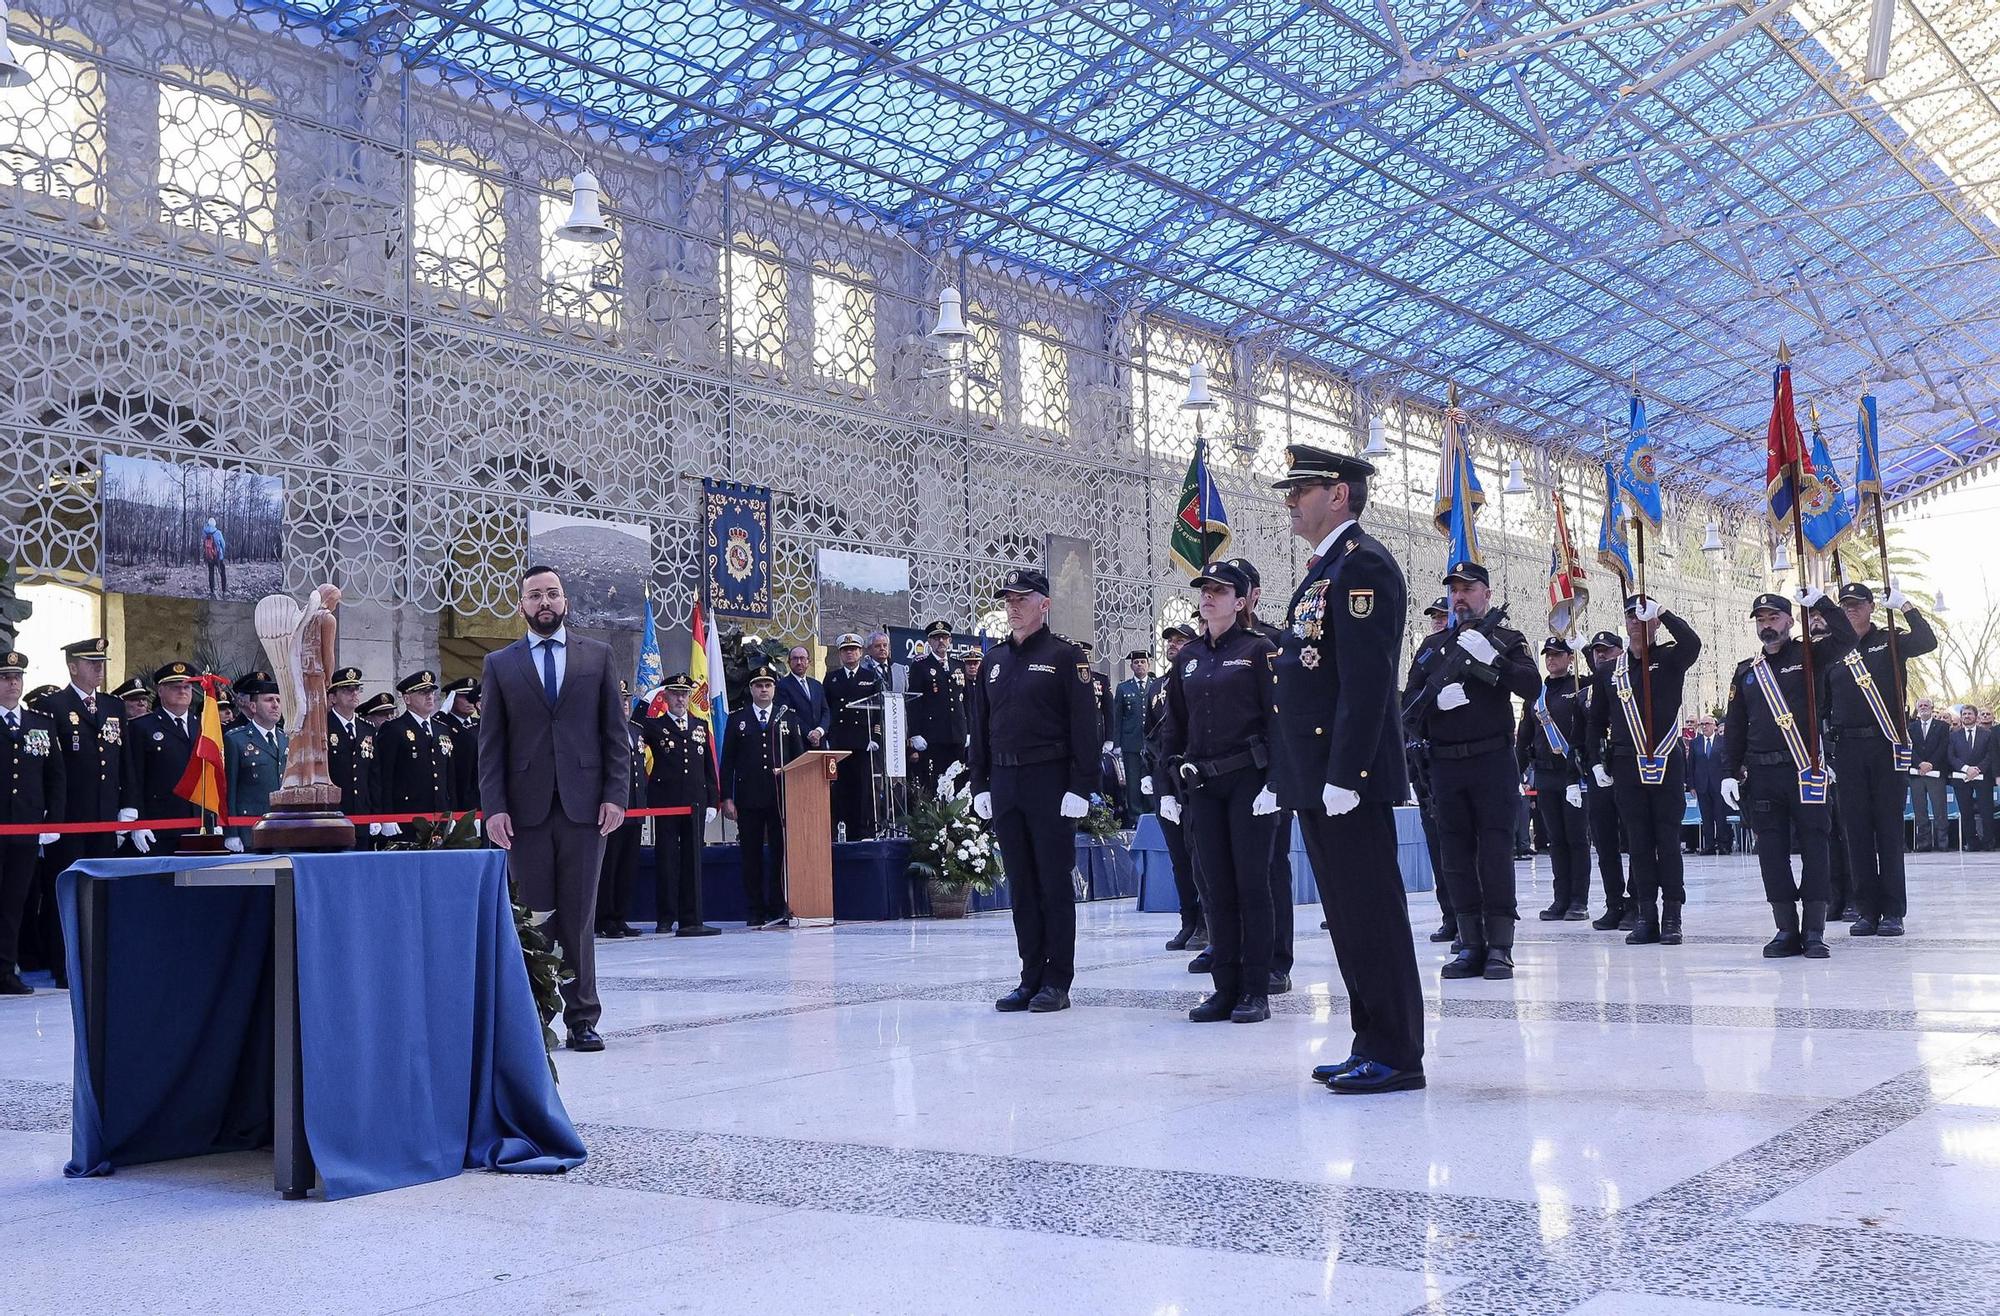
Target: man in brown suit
[(554, 766)]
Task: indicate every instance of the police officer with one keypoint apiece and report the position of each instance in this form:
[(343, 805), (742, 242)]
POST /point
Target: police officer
[(1783, 792), (1463, 710), (413, 752), (936, 710), (1871, 754), (157, 749), (138, 700), (1340, 762), (90, 736), (1220, 711), (1548, 748), (854, 694), (682, 774), (377, 709), (1128, 717), (1417, 762), (1621, 914), (350, 748), (1035, 747), (458, 714), (1281, 832), (33, 770), (758, 741), (253, 758), (1156, 783), (1647, 783), (619, 867), (1101, 685)]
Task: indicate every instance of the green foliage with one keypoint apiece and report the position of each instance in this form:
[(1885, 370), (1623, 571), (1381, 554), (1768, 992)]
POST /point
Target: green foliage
[(1100, 824), (13, 609)]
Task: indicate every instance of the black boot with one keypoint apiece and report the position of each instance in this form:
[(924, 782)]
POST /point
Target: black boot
[(1814, 932), (1629, 918), (1198, 939), (1788, 942), (1645, 924), (1499, 962), (1179, 940), (1447, 931), (1609, 919), (1214, 1009), (1670, 923), (1468, 963), (1554, 913)]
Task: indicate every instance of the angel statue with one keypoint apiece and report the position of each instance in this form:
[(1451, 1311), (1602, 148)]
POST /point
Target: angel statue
[(305, 812)]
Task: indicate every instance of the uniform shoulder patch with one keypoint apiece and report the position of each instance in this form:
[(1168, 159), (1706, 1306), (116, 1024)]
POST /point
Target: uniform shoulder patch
[(1083, 673), (1361, 603)]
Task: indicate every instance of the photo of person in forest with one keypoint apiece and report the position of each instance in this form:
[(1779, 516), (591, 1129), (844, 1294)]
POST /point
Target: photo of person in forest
[(192, 532)]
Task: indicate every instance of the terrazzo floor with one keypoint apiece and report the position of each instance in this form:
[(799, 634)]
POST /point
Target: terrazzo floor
[(836, 1120)]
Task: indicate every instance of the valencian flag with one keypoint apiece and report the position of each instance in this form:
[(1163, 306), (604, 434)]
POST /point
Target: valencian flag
[(1787, 461), (1831, 515), (1611, 549), (1568, 595), (201, 781), (1201, 522), (1638, 474), (1455, 509), (1868, 460), (652, 670)]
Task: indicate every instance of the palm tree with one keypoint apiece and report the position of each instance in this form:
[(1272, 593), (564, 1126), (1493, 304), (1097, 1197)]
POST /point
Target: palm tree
[(1909, 567)]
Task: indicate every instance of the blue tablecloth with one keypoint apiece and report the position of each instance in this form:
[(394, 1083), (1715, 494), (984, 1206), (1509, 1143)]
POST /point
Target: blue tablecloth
[(1156, 874), (422, 1049)]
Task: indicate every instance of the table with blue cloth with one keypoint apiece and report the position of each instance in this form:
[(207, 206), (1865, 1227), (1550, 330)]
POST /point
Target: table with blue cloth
[(366, 1015), (1156, 872)]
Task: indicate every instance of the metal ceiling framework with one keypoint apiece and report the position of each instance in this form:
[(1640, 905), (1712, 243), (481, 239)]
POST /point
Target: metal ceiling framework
[(1534, 200)]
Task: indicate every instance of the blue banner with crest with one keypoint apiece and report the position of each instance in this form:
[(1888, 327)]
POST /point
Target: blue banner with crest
[(736, 547)]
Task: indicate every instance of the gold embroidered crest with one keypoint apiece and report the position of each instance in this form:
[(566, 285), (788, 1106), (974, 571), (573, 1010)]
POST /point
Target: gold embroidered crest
[(1361, 603)]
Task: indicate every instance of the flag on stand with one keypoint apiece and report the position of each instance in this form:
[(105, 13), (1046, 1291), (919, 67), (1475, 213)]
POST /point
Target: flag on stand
[(1568, 595), (1788, 467), (1455, 509), (1830, 515), (1611, 548), (1868, 460), (710, 700), (1201, 523), (652, 669), (1638, 472), (201, 781)]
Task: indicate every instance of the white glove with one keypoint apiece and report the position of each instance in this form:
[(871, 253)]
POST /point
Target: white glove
[(234, 845), (982, 804), (128, 815), (1145, 785), (142, 840), (479, 827), (391, 830), (1810, 596), (919, 744), (1732, 793), (48, 838), (1897, 600), (1108, 747), (1170, 809), (872, 747), (1265, 803), (1453, 696), (1648, 611), (708, 815), (1601, 775), (374, 829), (1338, 800), (1074, 805), (1478, 646), (1573, 795)]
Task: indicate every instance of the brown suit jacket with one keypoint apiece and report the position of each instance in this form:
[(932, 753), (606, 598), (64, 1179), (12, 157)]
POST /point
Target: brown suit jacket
[(531, 753)]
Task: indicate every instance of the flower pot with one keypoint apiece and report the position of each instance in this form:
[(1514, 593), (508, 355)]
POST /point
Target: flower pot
[(948, 901)]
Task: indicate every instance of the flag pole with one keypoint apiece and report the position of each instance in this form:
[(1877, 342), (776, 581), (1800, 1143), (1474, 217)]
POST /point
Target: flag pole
[(1799, 547), (1889, 624), (1645, 627)]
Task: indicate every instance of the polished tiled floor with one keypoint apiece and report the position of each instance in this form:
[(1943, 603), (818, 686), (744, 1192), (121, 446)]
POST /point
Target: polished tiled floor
[(837, 1121)]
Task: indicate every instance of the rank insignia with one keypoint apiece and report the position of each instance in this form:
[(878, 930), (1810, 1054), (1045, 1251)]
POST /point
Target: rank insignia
[(1360, 603)]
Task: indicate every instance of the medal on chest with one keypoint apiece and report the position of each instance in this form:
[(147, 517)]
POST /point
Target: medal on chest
[(1309, 618)]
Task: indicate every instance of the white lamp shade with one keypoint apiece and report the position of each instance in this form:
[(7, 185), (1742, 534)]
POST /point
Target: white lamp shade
[(951, 318), (586, 217), (12, 72), (1712, 541), (1781, 560), (1516, 483), (1937, 603), (1378, 446), (1198, 397)]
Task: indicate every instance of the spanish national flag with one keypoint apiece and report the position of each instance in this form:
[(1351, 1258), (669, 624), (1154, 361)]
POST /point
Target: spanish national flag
[(201, 782)]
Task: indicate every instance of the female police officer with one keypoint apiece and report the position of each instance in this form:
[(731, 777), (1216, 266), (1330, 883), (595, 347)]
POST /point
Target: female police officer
[(1219, 710)]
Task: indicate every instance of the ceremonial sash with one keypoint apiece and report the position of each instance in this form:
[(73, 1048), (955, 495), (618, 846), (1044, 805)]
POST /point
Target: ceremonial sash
[(1863, 678), (1652, 767), (1558, 742), (1812, 781)]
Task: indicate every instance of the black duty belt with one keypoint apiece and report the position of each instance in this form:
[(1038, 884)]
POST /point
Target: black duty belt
[(1470, 749), (1770, 760), (1866, 732), (1029, 758)]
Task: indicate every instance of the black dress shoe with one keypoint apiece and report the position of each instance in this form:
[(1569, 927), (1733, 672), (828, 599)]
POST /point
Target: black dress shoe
[(1553, 914), (1048, 1000), (1862, 927), (1179, 940), (1784, 945), (625, 929), (664, 929), (1198, 939), (1201, 963), (1816, 947), (1327, 1073), (1280, 983), (1372, 1076), (1214, 1009), (1015, 1001), (1445, 932), (1890, 926), (1576, 913), (1251, 1010), (584, 1039), (1499, 962), (1322, 925), (1628, 919), (699, 930), (11, 985), (1468, 963), (1608, 920), (604, 931), (1644, 932)]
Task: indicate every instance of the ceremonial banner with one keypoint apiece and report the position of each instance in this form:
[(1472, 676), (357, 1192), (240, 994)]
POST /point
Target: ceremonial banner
[(652, 668), (1611, 548), (736, 545), (1638, 475), (1868, 459), (1830, 511), (1201, 523), (1459, 497), (1568, 595), (1788, 466)]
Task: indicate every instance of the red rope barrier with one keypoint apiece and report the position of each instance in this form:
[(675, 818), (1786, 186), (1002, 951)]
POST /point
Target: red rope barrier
[(183, 824)]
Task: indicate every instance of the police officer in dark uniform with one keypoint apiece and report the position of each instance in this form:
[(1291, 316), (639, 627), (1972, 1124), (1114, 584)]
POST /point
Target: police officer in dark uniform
[(1128, 716), (682, 774), (1035, 748), (1621, 914), (350, 746), (1548, 748), (137, 698), (157, 749), (32, 767), (1156, 784), (1417, 761), (854, 694), (1764, 742), (377, 709), (1340, 762), (758, 742), (1871, 754), (619, 867), (936, 711), (1647, 783), (1281, 831), (90, 736), (1101, 684), (1220, 711), (413, 752), (1470, 726), (458, 714)]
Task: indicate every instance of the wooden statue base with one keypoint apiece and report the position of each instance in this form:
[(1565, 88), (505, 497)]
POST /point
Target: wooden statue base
[(199, 843), (302, 831)]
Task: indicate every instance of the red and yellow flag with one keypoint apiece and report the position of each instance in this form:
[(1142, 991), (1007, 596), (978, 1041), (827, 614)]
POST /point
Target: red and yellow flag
[(201, 782)]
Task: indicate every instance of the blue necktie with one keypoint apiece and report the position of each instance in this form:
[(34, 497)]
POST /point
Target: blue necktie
[(549, 669)]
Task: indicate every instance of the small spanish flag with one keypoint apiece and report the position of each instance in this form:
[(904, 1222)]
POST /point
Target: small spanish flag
[(201, 782)]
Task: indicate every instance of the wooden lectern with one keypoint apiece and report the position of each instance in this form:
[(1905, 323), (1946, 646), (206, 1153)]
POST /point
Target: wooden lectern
[(809, 834)]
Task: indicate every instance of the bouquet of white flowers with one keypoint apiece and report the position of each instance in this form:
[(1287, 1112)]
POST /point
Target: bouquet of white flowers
[(949, 844)]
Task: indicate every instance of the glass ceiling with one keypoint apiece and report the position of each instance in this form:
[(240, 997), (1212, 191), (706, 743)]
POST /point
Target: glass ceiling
[(1533, 200)]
